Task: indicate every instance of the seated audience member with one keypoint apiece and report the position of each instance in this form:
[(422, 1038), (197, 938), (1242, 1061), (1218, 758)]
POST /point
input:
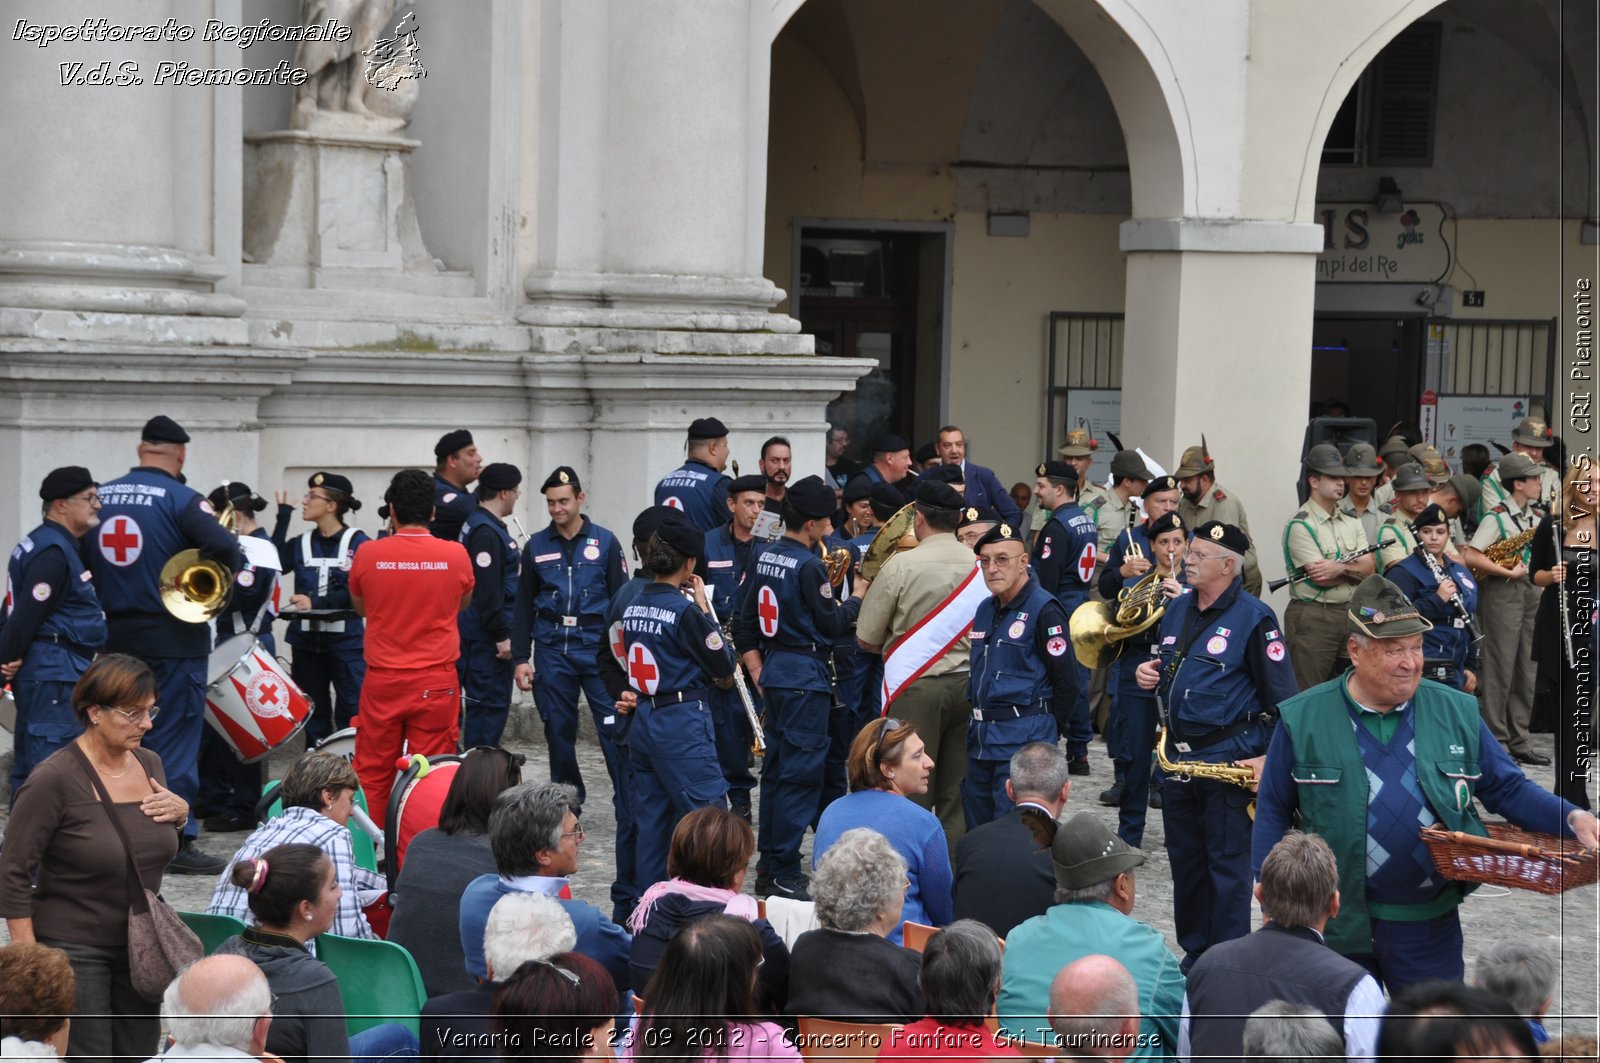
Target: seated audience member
[(1094, 1009), (1440, 1022), (847, 968), (318, 793), (888, 764), (521, 927), (439, 864), (293, 896), (1290, 1033), (534, 835), (1522, 974), (1092, 915), (218, 1008), (707, 863), (959, 979), (1002, 875), (1286, 960), (562, 1009), (37, 996), (701, 1003)]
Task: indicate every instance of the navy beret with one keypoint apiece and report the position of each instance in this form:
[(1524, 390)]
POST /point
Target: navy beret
[(890, 443), (925, 453), (1430, 517), (1056, 470), (163, 429), (940, 497), (1159, 484), (676, 531), (978, 515), (498, 476), (857, 488), (451, 442), (648, 520), (949, 474), (707, 428), (65, 482), (811, 498), (750, 482), (1165, 523), (1224, 535), (1000, 533), (563, 476), (886, 500)]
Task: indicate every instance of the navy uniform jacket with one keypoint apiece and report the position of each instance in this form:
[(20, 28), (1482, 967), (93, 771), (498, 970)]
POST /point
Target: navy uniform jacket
[(670, 645), (1064, 557), (1022, 654), (254, 604), (724, 568), (321, 567), (565, 589), (497, 563), (612, 653), (1232, 669), (983, 489), (146, 517), (52, 619), (452, 506), (789, 610), (1111, 580), (1450, 640), (906, 487), (699, 492)]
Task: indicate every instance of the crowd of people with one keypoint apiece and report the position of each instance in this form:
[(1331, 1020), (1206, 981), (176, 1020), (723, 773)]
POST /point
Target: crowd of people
[(902, 647)]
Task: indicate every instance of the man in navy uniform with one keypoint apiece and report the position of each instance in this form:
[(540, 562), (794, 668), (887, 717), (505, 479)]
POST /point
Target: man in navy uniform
[(788, 619), (485, 662), (697, 488), (891, 464), (1223, 668), (456, 464), (729, 550), (52, 622), (983, 487), (146, 517), (1064, 561)]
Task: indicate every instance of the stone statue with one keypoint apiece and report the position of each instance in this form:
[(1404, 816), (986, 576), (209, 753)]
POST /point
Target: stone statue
[(365, 83)]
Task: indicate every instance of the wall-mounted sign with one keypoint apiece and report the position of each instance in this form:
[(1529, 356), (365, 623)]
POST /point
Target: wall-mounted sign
[(1486, 419), (1362, 246)]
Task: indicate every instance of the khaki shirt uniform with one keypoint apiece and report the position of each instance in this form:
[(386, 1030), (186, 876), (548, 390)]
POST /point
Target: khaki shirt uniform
[(908, 587), (1506, 612), (1370, 517), (1502, 522), (1221, 504), (1313, 534), (1395, 541), (1110, 519), (1383, 494), (1092, 496)]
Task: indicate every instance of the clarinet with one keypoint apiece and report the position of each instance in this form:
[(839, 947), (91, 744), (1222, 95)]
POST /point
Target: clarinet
[(1440, 576), (1558, 533)]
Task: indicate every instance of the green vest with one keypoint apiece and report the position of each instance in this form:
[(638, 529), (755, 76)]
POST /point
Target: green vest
[(1331, 781)]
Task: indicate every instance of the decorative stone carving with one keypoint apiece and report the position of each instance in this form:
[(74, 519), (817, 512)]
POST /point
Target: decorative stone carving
[(363, 84)]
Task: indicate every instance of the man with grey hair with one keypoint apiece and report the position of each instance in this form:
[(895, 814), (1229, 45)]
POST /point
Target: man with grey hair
[(521, 927), (1290, 1033), (1525, 975), (534, 835), (1286, 960), (1094, 1009), (1094, 872), (1002, 875), (218, 1008)]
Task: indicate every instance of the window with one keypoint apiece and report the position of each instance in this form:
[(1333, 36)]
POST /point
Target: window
[(1388, 117)]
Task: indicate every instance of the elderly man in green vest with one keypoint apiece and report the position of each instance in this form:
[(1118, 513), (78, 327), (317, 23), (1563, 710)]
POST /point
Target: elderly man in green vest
[(1369, 759)]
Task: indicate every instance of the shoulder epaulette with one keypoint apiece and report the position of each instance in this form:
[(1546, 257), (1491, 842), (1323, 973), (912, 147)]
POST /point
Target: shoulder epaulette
[(1302, 515), (1218, 495)]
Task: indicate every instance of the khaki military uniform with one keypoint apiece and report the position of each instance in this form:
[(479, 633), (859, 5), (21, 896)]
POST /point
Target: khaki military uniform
[(1383, 494), (1395, 540), (1220, 504), (1092, 496), (1315, 624), (1370, 517), (1506, 608), (1110, 519)]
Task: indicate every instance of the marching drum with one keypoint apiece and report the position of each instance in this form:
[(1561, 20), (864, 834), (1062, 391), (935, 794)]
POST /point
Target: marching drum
[(250, 699)]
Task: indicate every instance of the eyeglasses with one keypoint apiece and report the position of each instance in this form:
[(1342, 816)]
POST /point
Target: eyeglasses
[(517, 759), (1193, 557), (317, 497), (87, 496), (889, 724), (571, 976), (576, 832), (134, 717), (998, 560)]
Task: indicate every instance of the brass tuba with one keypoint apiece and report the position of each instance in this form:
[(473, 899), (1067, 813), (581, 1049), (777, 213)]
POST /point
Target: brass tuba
[(195, 589), (896, 534)]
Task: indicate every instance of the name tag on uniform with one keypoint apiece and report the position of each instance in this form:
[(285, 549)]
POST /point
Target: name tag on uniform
[(569, 621), (720, 564), (542, 558)]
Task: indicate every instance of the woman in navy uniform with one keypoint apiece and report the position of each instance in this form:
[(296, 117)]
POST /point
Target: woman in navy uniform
[(485, 625), (674, 655), (1063, 561), (328, 663), (1450, 655)]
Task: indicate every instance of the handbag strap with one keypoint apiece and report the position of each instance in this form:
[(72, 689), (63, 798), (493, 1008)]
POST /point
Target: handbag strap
[(137, 901)]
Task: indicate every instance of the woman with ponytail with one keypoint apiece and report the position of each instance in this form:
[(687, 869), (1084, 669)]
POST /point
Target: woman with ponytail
[(293, 895)]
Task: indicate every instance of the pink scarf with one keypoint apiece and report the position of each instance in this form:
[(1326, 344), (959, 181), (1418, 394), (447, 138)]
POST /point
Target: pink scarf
[(735, 904)]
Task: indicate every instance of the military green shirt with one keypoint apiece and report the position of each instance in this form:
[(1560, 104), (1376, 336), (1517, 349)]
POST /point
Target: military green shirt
[(1395, 541), (1110, 519), (909, 586), (1220, 504), (1502, 522), (1311, 534), (1093, 496)]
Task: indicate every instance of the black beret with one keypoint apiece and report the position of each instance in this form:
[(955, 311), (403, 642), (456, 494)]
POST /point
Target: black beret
[(451, 442), (889, 443), (563, 476), (383, 511), (886, 500), (978, 515), (498, 476), (1000, 533), (949, 474), (332, 481), (1160, 484), (1224, 535), (857, 488), (676, 531), (65, 482), (925, 453), (1430, 517), (648, 520), (236, 493), (811, 497), (1056, 470), (1165, 523), (941, 497), (751, 482), (163, 429), (707, 428)]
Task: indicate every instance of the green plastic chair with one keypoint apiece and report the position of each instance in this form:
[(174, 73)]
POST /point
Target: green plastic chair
[(212, 930), (378, 980), (361, 846)]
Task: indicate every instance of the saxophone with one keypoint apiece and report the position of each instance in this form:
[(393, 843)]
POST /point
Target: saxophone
[(1508, 551), (1185, 770)]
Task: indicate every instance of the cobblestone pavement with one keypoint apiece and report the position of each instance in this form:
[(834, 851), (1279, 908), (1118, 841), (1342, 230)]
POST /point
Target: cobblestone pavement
[(1569, 923)]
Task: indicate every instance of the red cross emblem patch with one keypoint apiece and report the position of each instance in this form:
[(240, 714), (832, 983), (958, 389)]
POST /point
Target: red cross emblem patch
[(642, 671), (1085, 564), (767, 611), (619, 648), (673, 501), (121, 541)]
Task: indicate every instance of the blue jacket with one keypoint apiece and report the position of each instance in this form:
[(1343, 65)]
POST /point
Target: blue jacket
[(984, 489), (452, 506), (1450, 640), (1064, 557), (1020, 653), (497, 563), (598, 937), (724, 567), (565, 589), (64, 608), (671, 646), (790, 612), (699, 492), (254, 605)]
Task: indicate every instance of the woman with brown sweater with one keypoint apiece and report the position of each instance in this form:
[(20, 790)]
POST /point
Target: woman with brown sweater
[(61, 830)]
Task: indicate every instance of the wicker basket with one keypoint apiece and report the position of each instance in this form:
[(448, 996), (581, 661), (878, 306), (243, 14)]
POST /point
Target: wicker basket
[(1513, 857)]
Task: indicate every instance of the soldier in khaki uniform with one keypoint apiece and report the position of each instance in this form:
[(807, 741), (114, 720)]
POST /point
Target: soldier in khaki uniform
[(1458, 497), (1129, 477), (1394, 453), (1079, 451), (1204, 500), (1432, 462), (1507, 604), (1314, 539), (1531, 438), (1365, 468), (1396, 540)]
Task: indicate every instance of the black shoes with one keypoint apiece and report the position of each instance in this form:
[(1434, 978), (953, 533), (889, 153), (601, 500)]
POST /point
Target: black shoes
[(1155, 797), (193, 860), (1112, 795), (794, 888), (1079, 766), (225, 822), (740, 809), (1528, 756)]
